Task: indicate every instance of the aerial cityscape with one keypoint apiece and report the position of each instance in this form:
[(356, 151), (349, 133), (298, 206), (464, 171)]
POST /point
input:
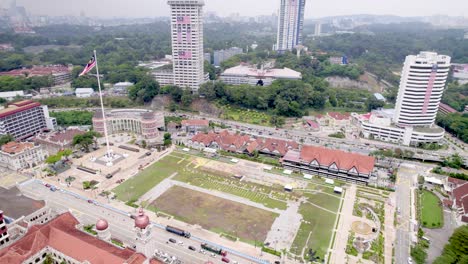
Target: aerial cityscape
[(204, 131)]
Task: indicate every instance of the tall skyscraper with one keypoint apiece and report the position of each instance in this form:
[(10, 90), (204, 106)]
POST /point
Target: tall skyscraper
[(421, 86), (290, 24), (187, 43)]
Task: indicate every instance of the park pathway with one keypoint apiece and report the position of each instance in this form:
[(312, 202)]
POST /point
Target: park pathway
[(157, 190), (344, 225)]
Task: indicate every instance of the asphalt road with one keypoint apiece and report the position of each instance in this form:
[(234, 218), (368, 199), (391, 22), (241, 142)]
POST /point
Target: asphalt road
[(403, 191), (121, 226)]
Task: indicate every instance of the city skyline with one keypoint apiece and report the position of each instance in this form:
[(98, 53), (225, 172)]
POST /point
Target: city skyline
[(314, 9)]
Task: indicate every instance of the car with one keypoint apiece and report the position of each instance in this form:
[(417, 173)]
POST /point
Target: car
[(213, 255), (192, 248), (47, 185), (224, 259), (181, 243), (410, 261), (90, 201), (172, 240)]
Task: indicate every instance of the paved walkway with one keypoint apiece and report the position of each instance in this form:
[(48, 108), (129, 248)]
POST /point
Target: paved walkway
[(285, 227), (159, 189), (389, 232), (344, 225)]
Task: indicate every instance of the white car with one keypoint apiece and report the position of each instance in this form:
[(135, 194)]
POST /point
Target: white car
[(410, 261)]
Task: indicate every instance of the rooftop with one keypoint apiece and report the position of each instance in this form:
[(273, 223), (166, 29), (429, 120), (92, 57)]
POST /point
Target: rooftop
[(16, 205), (327, 157), (244, 70), (61, 234), (195, 122), (63, 137), (16, 147), (18, 107), (38, 71)]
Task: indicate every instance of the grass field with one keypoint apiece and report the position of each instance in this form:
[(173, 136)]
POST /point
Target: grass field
[(431, 210), (326, 201), (141, 183), (253, 192), (319, 224), (246, 115), (216, 214)]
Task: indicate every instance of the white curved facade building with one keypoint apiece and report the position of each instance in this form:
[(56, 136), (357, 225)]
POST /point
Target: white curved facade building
[(412, 122), (421, 87)]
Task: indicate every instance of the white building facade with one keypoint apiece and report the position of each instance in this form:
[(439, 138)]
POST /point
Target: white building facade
[(290, 24), (421, 87), (412, 122), (187, 43), (243, 74), (16, 156)]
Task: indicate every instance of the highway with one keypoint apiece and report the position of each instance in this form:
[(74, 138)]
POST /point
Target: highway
[(122, 226)]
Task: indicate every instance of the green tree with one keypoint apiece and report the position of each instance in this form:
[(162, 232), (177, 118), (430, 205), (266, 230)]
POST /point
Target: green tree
[(456, 251), (85, 140), (167, 139), (5, 139), (186, 98)]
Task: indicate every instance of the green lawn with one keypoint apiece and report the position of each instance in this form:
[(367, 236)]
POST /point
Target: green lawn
[(319, 224), (330, 202), (431, 210), (245, 115), (141, 183)]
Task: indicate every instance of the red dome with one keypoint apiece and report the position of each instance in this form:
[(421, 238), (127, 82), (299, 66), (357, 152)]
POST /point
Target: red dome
[(101, 225), (141, 220)]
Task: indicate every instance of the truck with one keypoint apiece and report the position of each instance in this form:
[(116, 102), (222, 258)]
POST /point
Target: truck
[(214, 249), (178, 231)]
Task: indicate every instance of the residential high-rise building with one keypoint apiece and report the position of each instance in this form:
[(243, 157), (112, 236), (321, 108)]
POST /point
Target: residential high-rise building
[(222, 55), (187, 43), (421, 86), (290, 24)]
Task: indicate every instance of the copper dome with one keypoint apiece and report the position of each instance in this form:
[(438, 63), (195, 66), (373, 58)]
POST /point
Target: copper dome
[(141, 220), (101, 225)]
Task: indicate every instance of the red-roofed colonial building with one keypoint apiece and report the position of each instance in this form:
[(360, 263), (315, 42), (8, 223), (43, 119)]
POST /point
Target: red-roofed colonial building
[(61, 240), (330, 163)]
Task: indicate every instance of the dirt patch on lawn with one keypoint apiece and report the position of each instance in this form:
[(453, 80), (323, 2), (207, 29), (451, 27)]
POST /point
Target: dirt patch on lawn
[(216, 214)]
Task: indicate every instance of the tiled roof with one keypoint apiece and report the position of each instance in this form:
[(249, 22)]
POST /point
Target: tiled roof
[(460, 193), (275, 146), (326, 157), (38, 71), (195, 122), (61, 234), (456, 181), (64, 137), (339, 116), (313, 124), (16, 147)]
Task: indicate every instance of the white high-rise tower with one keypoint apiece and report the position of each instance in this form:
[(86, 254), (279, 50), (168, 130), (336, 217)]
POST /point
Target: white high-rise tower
[(187, 43), (422, 84), (290, 24)]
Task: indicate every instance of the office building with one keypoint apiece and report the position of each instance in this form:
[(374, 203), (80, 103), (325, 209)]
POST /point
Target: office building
[(187, 43), (222, 55), (145, 123), (24, 119), (290, 24), (244, 74), (21, 155), (412, 121), (460, 73), (318, 28), (421, 87)]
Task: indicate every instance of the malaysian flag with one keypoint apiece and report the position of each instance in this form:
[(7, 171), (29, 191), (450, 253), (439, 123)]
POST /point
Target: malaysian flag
[(184, 55), (89, 66), (183, 20)]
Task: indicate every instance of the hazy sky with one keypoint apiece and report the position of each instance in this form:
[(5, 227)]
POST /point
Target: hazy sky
[(314, 9)]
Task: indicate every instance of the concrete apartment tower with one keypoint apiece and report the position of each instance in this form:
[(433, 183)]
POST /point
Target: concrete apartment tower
[(421, 87), (290, 24), (187, 43)]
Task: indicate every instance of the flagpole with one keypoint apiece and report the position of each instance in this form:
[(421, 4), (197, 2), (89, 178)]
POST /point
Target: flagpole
[(109, 154)]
